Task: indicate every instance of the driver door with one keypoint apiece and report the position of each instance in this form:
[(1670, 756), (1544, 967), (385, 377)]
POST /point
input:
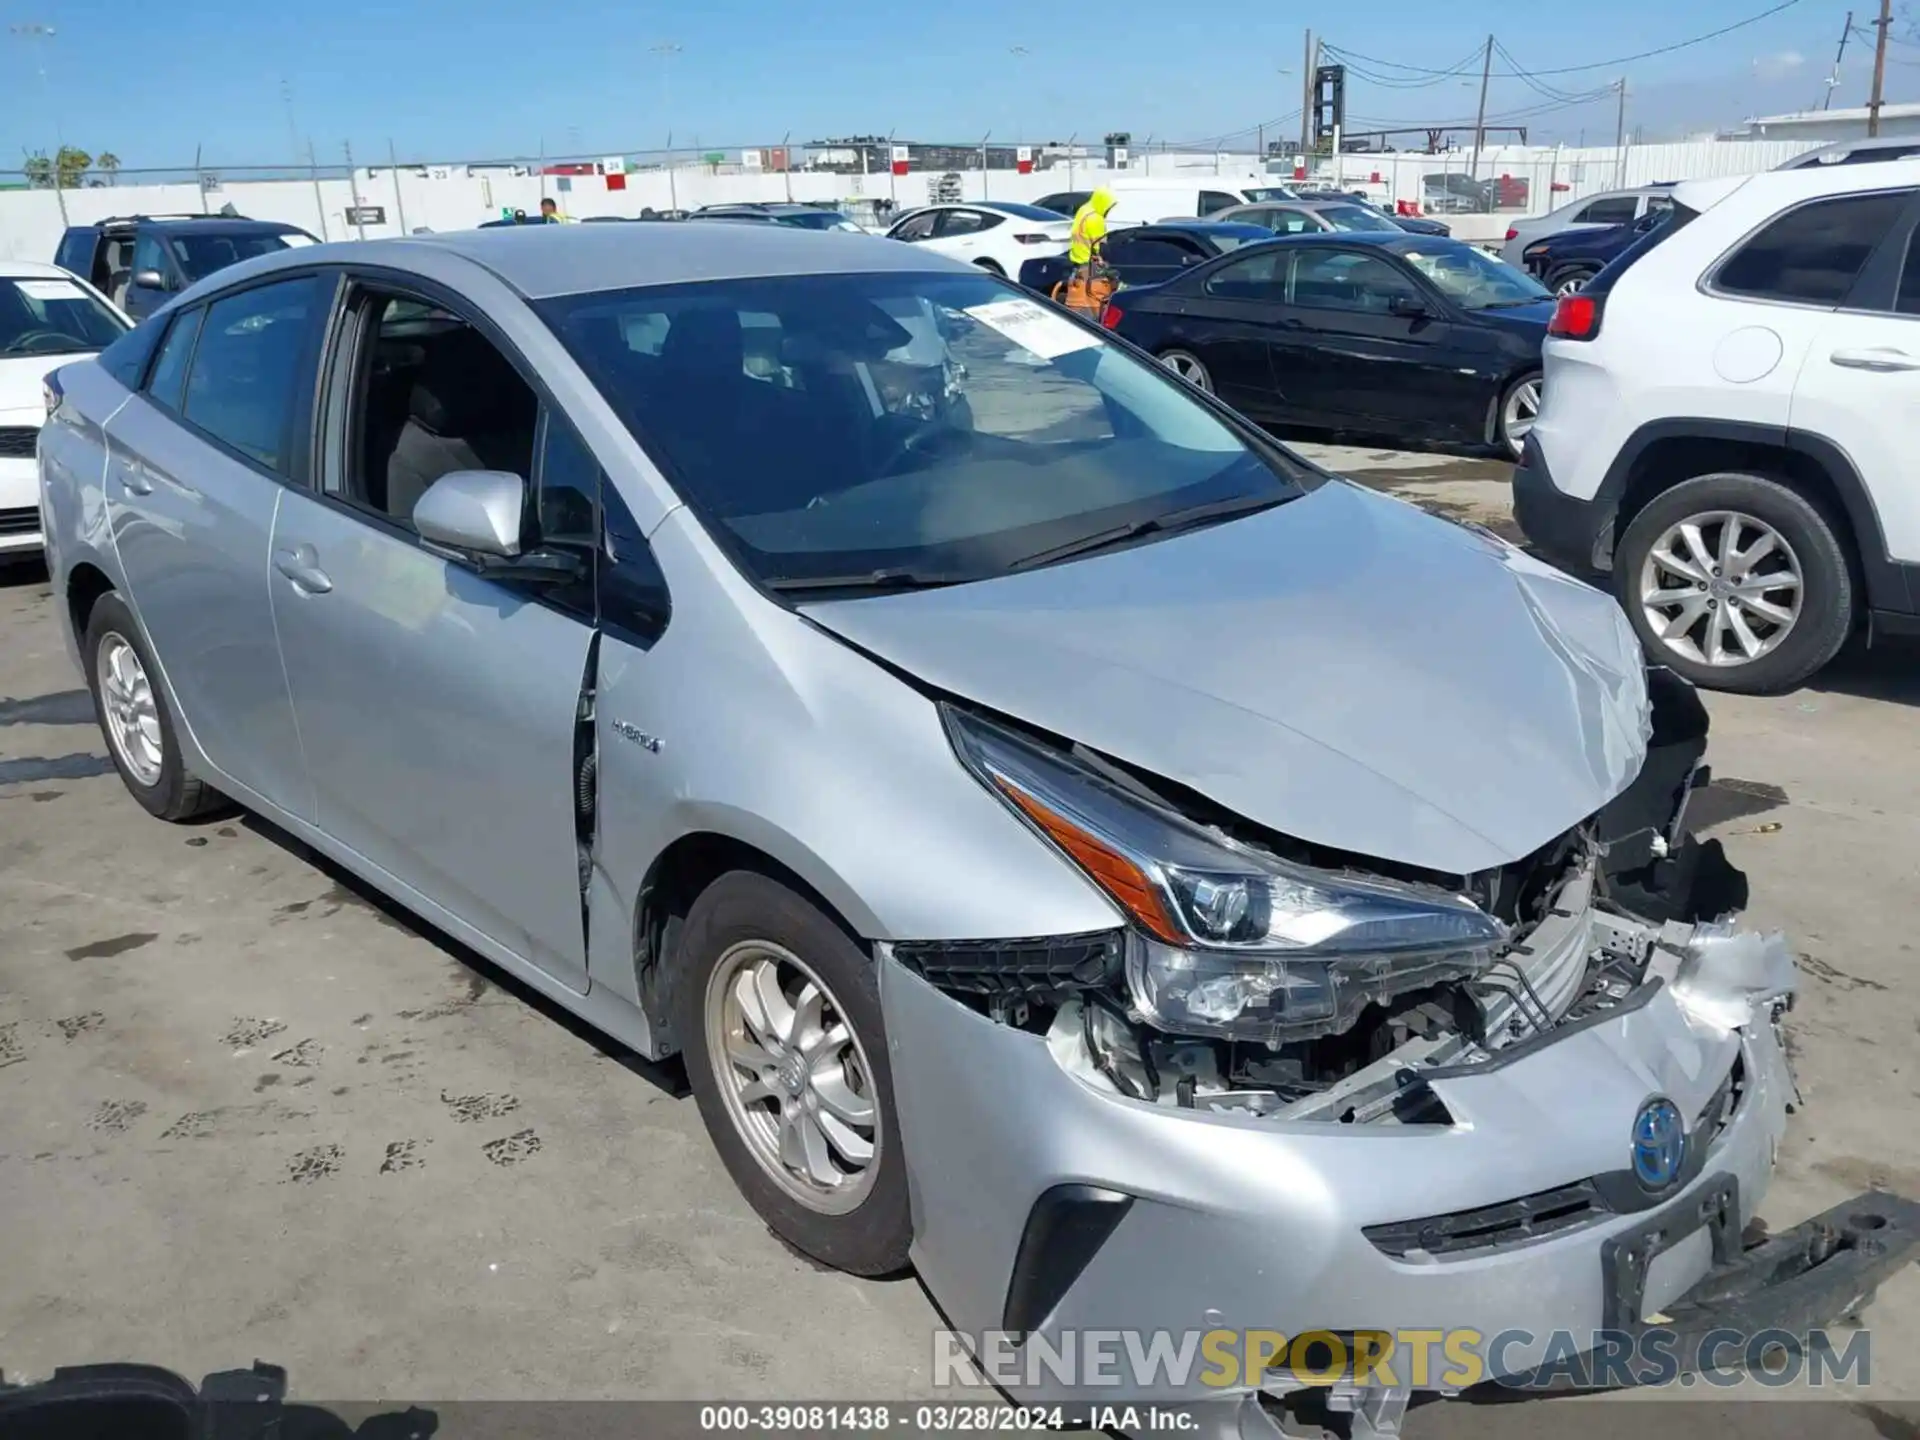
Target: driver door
[(439, 708)]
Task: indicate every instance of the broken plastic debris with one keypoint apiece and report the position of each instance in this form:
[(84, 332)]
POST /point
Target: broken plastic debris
[(1725, 972)]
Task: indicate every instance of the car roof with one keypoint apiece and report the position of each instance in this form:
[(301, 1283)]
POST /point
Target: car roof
[(543, 261), (31, 270), (1400, 238)]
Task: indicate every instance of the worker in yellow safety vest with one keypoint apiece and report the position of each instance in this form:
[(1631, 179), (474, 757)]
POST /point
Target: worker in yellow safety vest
[(1089, 228)]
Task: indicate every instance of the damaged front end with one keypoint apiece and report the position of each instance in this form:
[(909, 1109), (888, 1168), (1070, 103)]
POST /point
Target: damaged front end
[(1297, 1090), (1258, 976)]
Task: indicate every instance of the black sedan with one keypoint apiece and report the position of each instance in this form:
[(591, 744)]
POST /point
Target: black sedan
[(1380, 333), (1149, 254)]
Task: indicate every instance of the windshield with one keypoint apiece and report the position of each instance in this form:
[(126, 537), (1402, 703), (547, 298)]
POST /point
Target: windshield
[(946, 425), (1354, 217), (1473, 279), (815, 220), (201, 255), (54, 317), (1019, 212)]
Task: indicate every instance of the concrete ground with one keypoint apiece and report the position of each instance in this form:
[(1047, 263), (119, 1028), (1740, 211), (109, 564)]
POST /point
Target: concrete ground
[(246, 1110)]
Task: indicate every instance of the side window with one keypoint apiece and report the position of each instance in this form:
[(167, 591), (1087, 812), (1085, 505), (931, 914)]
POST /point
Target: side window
[(1908, 302), (1255, 277), (1064, 203), (149, 254), (1145, 252), (566, 487), (1214, 201), (251, 369), (1614, 210), (1290, 222), (75, 255), (1341, 280), (917, 227), (432, 395), (169, 377), (965, 222), (1812, 254)]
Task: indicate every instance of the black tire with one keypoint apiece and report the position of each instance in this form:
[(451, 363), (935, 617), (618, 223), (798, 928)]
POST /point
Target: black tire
[(744, 906), (1189, 367), (1827, 596), (176, 793)]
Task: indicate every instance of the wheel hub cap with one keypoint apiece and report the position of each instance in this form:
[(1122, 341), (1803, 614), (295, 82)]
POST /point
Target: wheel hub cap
[(793, 1076), (1721, 588), (131, 712)]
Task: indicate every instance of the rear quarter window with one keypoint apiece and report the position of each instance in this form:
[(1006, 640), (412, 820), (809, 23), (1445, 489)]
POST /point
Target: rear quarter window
[(126, 358)]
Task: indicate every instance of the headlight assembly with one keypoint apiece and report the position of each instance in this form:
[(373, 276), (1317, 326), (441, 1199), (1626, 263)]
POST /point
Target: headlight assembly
[(1228, 940)]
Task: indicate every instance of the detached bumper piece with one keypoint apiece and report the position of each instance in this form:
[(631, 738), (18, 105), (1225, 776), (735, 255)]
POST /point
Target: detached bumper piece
[(1817, 1273)]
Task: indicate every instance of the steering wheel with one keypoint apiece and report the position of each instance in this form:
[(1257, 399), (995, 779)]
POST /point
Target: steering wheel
[(25, 342)]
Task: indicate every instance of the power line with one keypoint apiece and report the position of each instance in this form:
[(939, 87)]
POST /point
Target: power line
[(1521, 73), (1541, 88)]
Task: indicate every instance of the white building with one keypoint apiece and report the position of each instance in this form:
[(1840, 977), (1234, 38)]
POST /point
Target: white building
[(1824, 126)]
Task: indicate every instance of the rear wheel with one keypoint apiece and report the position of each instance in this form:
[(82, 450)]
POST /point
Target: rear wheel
[(779, 1012), (1570, 281), (1519, 408), (1737, 582), (1188, 367), (134, 717)]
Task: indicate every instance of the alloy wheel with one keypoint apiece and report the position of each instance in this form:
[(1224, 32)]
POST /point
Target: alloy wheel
[(1572, 285), (1519, 413), (1189, 370), (1721, 588), (794, 1077), (132, 714)]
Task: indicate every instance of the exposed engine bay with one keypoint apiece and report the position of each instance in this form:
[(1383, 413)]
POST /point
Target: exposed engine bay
[(1261, 978)]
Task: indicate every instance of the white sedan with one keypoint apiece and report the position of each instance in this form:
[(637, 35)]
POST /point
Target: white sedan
[(997, 235), (48, 318)]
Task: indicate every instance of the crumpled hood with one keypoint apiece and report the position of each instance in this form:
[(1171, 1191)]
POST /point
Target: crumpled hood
[(1343, 669)]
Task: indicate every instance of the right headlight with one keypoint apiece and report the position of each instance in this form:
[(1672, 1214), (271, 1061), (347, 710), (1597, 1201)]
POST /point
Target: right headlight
[(1228, 940)]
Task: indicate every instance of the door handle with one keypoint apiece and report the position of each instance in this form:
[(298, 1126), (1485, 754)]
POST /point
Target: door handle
[(1882, 359), (134, 478), (302, 567)]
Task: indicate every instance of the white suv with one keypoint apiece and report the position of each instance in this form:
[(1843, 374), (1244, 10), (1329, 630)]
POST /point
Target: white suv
[(1731, 424)]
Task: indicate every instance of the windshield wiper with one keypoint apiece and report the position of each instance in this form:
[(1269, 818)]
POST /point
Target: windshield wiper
[(1153, 525), (883, 579)]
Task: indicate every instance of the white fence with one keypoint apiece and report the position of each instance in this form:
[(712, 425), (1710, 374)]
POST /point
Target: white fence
[(1530, 180)]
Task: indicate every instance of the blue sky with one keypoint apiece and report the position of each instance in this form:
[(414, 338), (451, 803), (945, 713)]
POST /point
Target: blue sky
[(471, 78)]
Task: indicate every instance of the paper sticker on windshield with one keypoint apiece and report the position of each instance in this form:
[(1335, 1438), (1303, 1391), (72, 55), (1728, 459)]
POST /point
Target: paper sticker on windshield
[(1034, 328), (50, 290)]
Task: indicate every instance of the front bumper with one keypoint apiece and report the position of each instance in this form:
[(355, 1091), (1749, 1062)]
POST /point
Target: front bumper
[(1573, 532), (19, 506), (1237, 1224)]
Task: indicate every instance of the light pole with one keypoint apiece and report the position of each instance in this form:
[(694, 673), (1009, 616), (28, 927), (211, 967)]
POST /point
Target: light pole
[(1019, 54), (666, 50), (36, 34)]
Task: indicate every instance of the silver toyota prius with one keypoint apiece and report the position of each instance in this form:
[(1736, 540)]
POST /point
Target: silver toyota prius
[(1079, 848)]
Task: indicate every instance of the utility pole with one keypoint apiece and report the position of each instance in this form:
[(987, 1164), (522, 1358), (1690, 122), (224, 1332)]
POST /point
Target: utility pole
[(1884, 23), (1480, 120), (1840, 54), (1309, 58), (1620, 137)]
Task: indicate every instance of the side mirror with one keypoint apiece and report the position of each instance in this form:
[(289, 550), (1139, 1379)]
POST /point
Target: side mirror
[(149, 280), (476, 512), (1407, 307)]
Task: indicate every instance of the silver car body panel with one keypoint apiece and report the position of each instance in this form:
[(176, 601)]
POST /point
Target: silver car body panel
[(1287, 666)]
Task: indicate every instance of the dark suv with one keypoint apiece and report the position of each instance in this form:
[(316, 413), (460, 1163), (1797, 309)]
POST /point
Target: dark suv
[(137, 261)]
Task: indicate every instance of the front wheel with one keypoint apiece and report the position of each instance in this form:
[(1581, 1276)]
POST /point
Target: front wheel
[(1188, 368), (786, 1051), (1519, 408), (1737, 582)]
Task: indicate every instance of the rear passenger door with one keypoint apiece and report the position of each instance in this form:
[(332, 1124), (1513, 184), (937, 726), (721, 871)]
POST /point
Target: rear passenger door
[(440, 709), (197, 463), (1227, 317)]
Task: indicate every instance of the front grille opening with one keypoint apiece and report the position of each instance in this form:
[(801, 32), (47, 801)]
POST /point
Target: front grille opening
[(22, 521), (17, 441), (1511, 1222)]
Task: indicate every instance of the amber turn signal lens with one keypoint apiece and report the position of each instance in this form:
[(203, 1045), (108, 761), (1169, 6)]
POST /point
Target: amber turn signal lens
[(1125, 881)]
